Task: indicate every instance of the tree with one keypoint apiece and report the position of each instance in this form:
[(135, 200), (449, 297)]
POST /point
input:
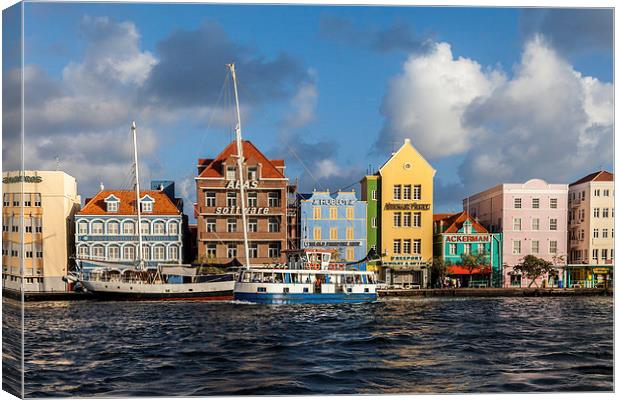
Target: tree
[(533, 267), (438, 271), (472, 261)]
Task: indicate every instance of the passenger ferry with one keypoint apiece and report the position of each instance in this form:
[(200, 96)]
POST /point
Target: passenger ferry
[(309, 276)]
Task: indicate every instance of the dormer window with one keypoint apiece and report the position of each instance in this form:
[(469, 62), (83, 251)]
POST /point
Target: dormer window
[(146, 204), (467, 227), (253, 173), (112, 202), (230, 173)]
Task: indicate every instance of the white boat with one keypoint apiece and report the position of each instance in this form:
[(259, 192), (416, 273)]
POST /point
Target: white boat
[(122, 281), (309, 276)]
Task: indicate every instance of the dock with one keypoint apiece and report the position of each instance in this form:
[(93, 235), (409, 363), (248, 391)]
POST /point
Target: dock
[(495, 292)]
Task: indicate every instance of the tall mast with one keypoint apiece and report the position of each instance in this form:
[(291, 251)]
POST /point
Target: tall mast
[(240, 161), (135, 165)]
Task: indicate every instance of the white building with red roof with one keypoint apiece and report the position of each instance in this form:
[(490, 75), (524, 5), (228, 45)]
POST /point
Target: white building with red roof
[(106, 228)]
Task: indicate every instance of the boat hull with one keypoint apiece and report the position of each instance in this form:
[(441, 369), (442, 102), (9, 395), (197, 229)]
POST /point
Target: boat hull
[(305, 298), (208, 291)]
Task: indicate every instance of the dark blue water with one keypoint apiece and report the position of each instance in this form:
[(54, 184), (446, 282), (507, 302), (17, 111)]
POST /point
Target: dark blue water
[(396, 346)]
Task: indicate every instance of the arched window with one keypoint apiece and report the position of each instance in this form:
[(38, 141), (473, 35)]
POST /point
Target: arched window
[(98, 252), (146, 253), (173, 253), (145, 228), (113, 228), (129, 228), (173, 228), (159, 228), (82, 251), (159, 252), (97, 228), (114, 252), (129, 253)]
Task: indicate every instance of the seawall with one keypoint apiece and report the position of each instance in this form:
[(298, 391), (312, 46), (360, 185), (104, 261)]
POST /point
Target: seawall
[(494, 292)]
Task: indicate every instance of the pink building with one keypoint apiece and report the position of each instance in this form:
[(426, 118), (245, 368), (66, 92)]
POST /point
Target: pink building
[(533, 219)]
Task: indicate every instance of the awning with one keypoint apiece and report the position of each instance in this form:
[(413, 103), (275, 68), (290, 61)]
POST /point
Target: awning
[(462, 270)]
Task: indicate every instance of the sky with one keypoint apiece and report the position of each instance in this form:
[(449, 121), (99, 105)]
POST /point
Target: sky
[(487, 95)]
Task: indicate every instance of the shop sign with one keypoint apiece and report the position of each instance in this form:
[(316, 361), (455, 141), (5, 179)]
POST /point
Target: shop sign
[(406, 258), (466, 238), (332, 243), (246, 185), (333, 202), (600, 271), (237, 210), (22, 178), (407, 206)]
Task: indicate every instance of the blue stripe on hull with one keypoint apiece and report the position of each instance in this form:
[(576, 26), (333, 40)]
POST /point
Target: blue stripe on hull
[(305, 298)]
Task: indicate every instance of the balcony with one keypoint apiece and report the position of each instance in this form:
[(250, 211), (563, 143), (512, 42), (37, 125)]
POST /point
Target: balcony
[(574, 203), (252, 236)]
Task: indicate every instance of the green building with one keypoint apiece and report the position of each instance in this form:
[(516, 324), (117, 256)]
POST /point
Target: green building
[(371, 194)]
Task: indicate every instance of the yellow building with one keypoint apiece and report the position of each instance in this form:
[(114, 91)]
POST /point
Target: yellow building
[(37, 229), (404, 206)]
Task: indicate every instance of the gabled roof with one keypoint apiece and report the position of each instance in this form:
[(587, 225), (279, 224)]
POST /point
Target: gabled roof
[(454, 222), (600, 176), (407, 143), (96, 206), (269, 167)]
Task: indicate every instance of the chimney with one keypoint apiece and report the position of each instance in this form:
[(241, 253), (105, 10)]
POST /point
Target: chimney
[(101, 187), (407, 141)]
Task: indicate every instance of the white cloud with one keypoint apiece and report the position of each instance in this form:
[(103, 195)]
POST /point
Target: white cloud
[(303, 104), (427, 100)]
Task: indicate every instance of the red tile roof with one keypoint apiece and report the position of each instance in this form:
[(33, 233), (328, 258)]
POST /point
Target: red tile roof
[(250, 152), (438, 217), (454, 222), (601, 176), (97, 206)]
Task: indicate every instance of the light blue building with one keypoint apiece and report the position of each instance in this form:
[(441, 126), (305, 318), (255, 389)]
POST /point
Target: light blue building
[(106, 228), (335, 222)]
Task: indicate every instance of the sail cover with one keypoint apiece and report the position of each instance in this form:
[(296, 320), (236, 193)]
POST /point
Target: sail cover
[(179, 270)]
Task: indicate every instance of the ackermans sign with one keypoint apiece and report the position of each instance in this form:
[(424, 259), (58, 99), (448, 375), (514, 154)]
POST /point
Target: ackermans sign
[(467, 238)]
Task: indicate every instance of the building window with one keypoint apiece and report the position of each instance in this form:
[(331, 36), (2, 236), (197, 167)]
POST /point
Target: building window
[(253, 225), (480, 249), (397, 216), (597, 212), (274, 250), (316, 212), (516, 224), (252, 199), (231, 250), (374, 195), (417, 192), (452, 249), (173, 229), (535, 246), (515, 280), (82, 251), (595, 254), (333, 213), (606, 192), (5, 200), (210, 224), (597, 192), (16, 199), (407, 219), (605, 212), (316, 233), (159, 228), (253, 250), (252, 173), (98, 252), (604, 254), (37, 199), (145, 228), (605, 233), (333, 233), (397, 190), (211, 250), (535, 224), (210, 199), (128, 228), (231, 225), (582, 234), (467, 248), (350, 254), (274, 225), (146, 252), (113, 228), (553, 224), (27, 200), (553, 247), (406, 192), (112, 206), (147, 206), (517, 202), (373, 222), (159, 252), (230, 173), (274, 199), (129, 252), (553, 203), (114, 253), (350, 213), (595, 233), (467, 228), (516, 247), (417, 219), (173, 253), (27, 225), (535, 203), (97, 228), (417, 246), (231, 199), (407, 246), (83, 228), (350, 235), (396, 246)]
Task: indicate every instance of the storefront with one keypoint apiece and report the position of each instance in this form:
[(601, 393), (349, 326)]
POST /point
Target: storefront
[(588, 276)]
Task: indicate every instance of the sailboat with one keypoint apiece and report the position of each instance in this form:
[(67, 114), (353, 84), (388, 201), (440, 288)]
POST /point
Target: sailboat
[(134, 281), (309, 275)]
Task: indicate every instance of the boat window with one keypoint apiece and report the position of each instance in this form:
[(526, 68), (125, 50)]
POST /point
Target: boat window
[(365, 290), (261, 290), (257, 278), (245, 277), (285, 290), (305, 290), (326, 257), (279, 278)]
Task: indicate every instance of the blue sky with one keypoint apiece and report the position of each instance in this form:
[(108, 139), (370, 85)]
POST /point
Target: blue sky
[(337, 86)]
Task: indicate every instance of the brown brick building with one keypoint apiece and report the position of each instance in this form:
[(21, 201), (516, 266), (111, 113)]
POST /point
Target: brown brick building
[(218, 208)]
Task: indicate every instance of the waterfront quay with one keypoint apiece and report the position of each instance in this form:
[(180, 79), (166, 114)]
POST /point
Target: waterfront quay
[(495, 292)]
